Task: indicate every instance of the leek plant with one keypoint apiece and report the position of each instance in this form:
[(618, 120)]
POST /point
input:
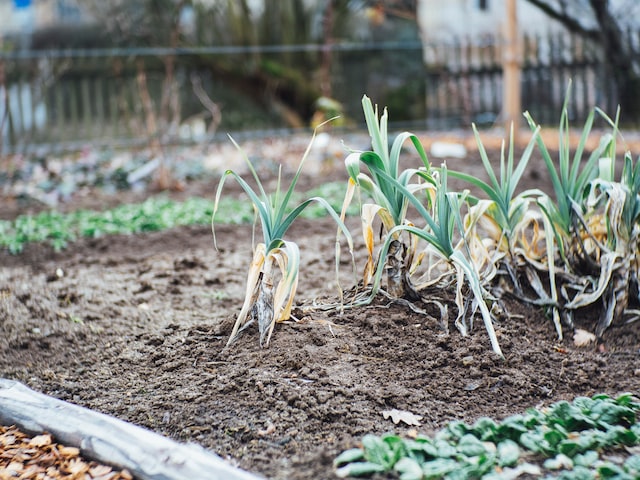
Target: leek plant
[(392, 192), (565, 218), (595, 225), (498, 228), (614, 231), (506, 232), (272, 279), (570, 182), (624, 221), (439, 235), (389, 204)]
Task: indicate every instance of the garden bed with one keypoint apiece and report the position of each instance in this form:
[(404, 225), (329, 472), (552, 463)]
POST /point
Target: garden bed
[(135, 327)]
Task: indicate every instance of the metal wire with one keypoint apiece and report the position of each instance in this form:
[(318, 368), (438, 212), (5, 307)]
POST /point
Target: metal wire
[(209, 50)]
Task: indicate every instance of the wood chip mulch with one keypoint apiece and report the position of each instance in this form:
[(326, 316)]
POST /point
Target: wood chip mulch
[(40, 458)]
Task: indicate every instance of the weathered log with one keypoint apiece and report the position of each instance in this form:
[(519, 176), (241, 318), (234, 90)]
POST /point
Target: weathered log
[(109, 440)]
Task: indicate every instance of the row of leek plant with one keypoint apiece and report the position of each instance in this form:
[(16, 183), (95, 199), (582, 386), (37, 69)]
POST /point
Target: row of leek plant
[(415, 208), (594, 221), (561, 253)]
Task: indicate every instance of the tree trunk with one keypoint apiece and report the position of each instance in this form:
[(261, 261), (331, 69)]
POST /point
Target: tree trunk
[(620, 58), (617, 52)]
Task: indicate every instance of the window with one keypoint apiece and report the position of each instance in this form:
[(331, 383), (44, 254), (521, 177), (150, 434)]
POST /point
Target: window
[(68, 11)]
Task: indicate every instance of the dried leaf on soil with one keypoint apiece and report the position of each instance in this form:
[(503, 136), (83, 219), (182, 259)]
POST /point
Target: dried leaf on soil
[(268, 430), (40, 457), (398, 416), (582, 338), (41, 441)]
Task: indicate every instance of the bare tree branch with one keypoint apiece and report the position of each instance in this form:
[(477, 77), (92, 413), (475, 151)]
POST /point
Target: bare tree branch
[(559, 11), (210, 105), (610, 33)]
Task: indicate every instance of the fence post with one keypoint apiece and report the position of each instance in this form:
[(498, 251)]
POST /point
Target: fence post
[(511, 102)]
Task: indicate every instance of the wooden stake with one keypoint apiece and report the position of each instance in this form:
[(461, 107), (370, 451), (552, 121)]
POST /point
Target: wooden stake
[(511, 102)]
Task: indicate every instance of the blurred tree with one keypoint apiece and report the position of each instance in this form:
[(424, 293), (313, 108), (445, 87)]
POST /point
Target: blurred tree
[(286, 82), (150, 23), (157, 23), (614, 25)]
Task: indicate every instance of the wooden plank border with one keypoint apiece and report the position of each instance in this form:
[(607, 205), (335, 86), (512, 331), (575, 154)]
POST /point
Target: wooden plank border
[(147, 455)]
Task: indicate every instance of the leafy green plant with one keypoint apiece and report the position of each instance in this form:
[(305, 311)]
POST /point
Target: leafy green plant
[(567, 437), (157, 213), (273, 274), (152, 215)]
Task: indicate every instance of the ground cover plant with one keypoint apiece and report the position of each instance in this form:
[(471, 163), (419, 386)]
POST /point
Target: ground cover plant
[(568, 437), (154, 214)]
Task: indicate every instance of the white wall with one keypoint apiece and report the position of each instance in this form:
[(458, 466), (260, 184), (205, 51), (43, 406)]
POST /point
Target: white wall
[(443, 20)]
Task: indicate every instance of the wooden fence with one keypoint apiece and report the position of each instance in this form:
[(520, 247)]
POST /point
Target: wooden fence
[(66, 99), (464, 80)]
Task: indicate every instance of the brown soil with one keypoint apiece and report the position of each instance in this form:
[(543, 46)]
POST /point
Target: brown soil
[(135, 327)]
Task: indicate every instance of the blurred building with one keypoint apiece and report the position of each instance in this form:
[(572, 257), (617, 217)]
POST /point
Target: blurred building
[(444, 20), (21, 18)]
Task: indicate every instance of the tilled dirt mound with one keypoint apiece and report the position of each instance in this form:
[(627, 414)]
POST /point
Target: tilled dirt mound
[(136, 327)]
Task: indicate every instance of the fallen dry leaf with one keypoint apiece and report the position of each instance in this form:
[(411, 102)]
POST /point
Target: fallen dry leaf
[(398, 416), (412, 433), (99, 471), (68, 451), (31, 471), (125, 475), (76, 466), (582, 338), (7, 439), (22, 456), (16, 468), (41, 440)]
